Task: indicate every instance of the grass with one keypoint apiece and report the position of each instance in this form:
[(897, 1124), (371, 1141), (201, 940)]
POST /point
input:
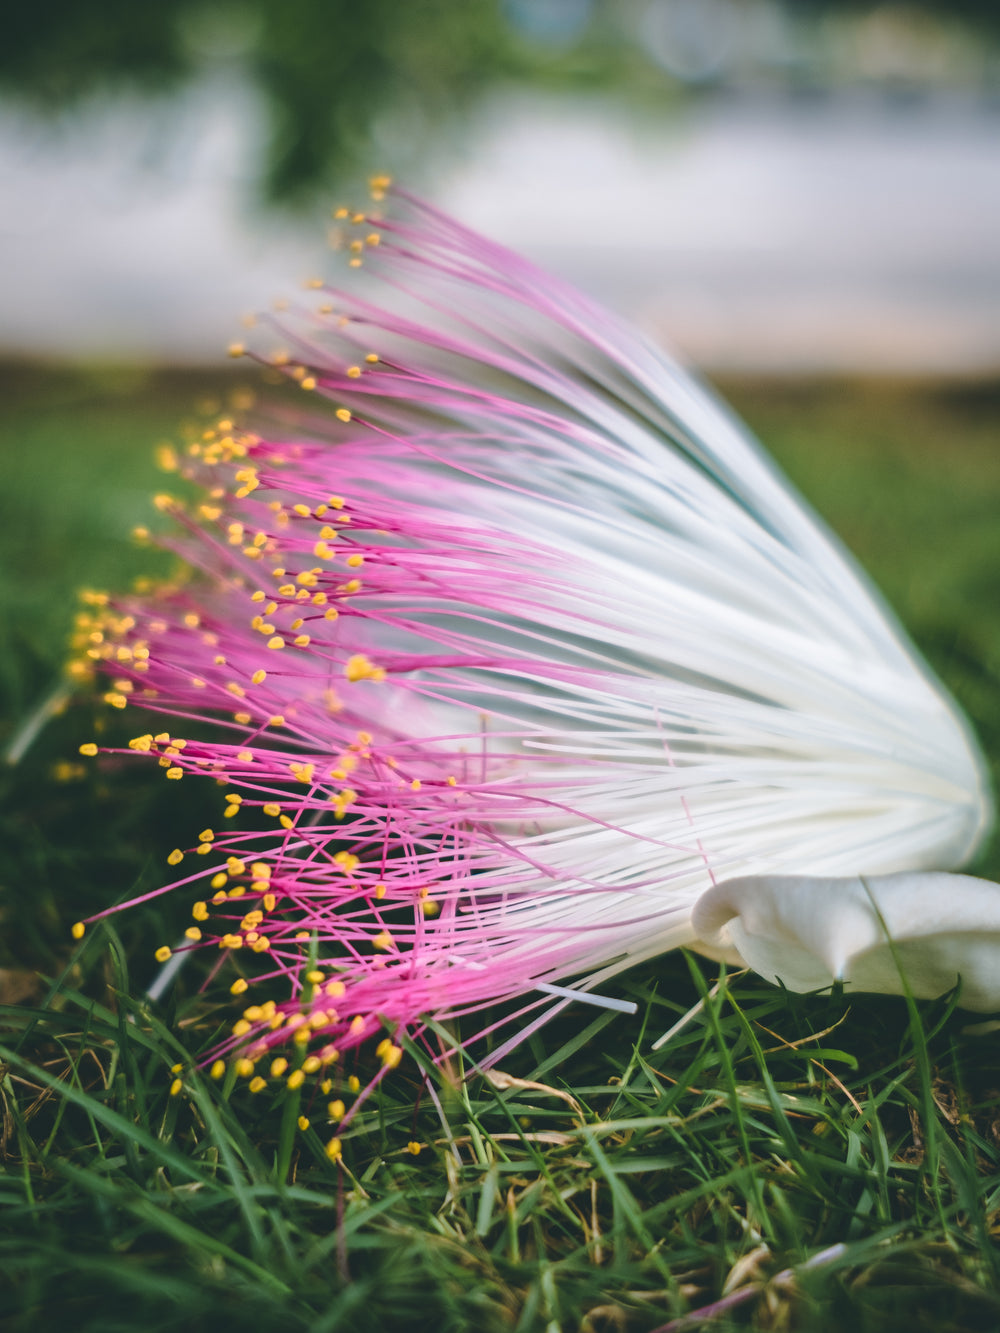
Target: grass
[(602, 1187)]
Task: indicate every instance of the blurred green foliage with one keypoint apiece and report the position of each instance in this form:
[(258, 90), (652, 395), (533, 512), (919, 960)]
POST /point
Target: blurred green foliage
[(334, 74)]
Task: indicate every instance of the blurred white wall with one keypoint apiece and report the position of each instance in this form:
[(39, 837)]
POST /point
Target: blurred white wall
[(752, 231)]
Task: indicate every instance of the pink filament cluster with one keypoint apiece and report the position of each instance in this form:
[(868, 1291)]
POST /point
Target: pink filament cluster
[(352, 631)]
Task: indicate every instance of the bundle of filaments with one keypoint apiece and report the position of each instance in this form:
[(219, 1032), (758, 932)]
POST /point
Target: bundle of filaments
[(522, 663)]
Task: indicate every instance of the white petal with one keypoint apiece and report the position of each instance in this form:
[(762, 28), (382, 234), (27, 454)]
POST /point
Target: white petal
[(808, 932)]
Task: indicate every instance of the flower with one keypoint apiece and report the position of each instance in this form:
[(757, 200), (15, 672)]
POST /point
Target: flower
[(514, 644)]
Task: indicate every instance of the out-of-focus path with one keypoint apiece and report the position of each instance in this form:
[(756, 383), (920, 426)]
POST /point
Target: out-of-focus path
[(850, 233)]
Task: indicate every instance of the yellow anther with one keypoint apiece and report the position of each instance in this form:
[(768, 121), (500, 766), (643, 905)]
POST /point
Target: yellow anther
[(245, 756), (334, 1150), (206, 835), (259, 676), (257, 1084), (415, 785), (239, 986), (355, 561), (260, 870), (141, 743), (278, 1066), (301, 640), (176, 1086), (236, 349), (276, 642), (175, 857), (234, 865), (276, 721), (244, 1068), (296, 1078), (336, 1110), (343, 414), (241, 1027), (193, 933), (268, 902), (163, 953), (353, 1083), (392, 1056), (77, 930), (311, 1063), (414, 1147), (272, 809), (353, 372), (360, 667), (303, 1123), (200, 911), (175, 773)]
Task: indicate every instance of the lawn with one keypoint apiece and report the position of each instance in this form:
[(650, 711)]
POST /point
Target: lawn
[(601, 1185)]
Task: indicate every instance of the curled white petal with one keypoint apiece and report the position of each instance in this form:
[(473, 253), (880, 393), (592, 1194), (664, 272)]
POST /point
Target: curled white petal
[(931, 928)]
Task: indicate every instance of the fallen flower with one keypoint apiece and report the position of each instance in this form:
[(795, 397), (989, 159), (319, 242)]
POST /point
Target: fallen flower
[(514, 645)]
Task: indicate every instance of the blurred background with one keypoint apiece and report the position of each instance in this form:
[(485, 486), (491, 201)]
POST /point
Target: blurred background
[(806, 184), (801, 197)]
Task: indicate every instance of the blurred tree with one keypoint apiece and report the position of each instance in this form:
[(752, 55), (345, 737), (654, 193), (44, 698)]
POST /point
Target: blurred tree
[(329, 70)]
